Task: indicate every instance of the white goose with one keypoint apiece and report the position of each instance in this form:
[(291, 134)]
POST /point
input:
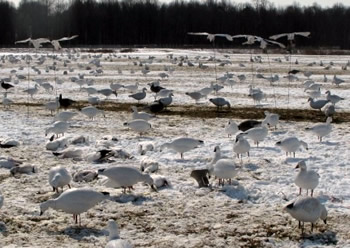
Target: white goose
[(223, 169), (8, 162), (291, 145), (141, 115), (217, 155), (54, 145), (114, 239), (231, 128), (59, 177), (138, 125), (65, 116), (126, 177), (306, 179), (59, 127), (182, 145), (322, 129), (307, 209), (91, 111), (271, 119), (219, 102), (333, 98), (75, 201), (257, 134), (139, 95), (241, 145)]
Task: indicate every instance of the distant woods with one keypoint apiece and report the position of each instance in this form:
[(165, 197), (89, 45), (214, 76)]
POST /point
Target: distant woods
[(149, 22)]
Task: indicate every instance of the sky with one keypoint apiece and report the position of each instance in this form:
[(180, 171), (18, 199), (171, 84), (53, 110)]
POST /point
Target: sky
[(282, 3)]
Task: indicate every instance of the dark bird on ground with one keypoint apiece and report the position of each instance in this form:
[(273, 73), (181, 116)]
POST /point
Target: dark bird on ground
[(201, 176), (156, 107), (6, 86), (65, 102), (294, 71), (155, 88), (248, 124)]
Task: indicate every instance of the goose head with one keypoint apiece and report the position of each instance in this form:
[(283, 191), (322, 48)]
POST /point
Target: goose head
[(301, 165)]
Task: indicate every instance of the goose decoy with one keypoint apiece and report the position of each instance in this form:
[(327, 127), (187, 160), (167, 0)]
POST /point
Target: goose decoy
[(319, 104), (141, 115), (231, 128), (138, 125), (220, 102), (307, 209), (166, 101), (321, 129), (182, 145), (75, 201), (85, 176), (139, 95), (114, 240), (329, 110), (195, 95), (107, 93), (155, 87), (241, 145), (291, 145), (70, 152), (25, 169), (65, 116), (59, 177), (6, 86), (223, 169), (271, 119), (333, 98), (156, 107), (126, 177), (201, 176), (248, 124), (160, 181), (59, 127), (91, 112), (9, 143), (1, 200), (100, 156), (306, 179), (257, 134), (65, 102)]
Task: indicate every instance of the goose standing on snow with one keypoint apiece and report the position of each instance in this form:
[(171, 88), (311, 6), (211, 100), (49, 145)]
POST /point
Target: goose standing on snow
[(241, 145), (91, 111), (138, 125), (59, 177), (114, 239), (195, 95), (333, 98), (126, 177), (65, 116), (166, 101), (140, 115), (139, 95), (291, 145), (75, 201), (321, 129), (257, 134), (307, 209), (271, 119), (182, 145), (317, 104), (59, 127), (217, 155), (231, 128), (220, 102), (223, 169), (306, 179)]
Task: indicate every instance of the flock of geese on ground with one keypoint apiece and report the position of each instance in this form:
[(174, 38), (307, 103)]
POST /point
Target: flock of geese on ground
[(79, 200)]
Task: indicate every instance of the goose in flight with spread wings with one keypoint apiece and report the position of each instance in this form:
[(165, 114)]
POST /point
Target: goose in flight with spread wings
[(56, 43), (251, 39), (290, 36), (35, 42), (211, 37)]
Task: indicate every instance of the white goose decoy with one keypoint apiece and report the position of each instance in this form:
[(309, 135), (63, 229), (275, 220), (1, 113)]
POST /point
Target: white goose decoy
[(317, 104), (337, 81), (333, 98), (307, 209), (70, 152), (59, 127), (138, 125), (306, 179), (9, 163), (195, 95), (8, 143), (75, 201), (126, 177), (59, 177), (52, 105), (257, 134), (231, 128), (182, 145), (223, 169), (6, 102), (166, 101), (160, 181), (271, 119), (107, 92), (65, 116), (116, 86), (32, 91), (241, 145), (291, 145), (91, 111), (219, 102), (139, 95), (321, 129), (140, 115), (114, 239), (54, 145)]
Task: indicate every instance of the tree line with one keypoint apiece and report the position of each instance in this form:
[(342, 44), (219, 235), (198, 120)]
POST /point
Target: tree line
[(149, 22)]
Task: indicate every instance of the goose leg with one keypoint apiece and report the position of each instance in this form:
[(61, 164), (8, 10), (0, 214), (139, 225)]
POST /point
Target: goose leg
[(299, 191)]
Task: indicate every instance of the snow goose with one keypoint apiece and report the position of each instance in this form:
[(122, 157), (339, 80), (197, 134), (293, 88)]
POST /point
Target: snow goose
[(306, 179), (160, 181), (114, 239), (91, 111), (140, 115), (52, 106), (231, 128), (241, 145), (329, 110), (317, 104), (257, 134), (182, 145), (139, 95), (54, 145), (115, 86), (7, 102), (195, 95), (132, 87), (32, 91), (217, 155), (145, 147), (321, 129), (149, 165), (126, 177), (138, 125), (219, 102), (223, 169), (8, 163), (65, 116), (307, 209), (75, 201), (6, 86), (70, 152), (337, 81), (59, 177), (271, 119), (291, 145), (100, 156), (85, 175), (166, 101), (59, 127), (25, 169), (333, 98), (107, 92)]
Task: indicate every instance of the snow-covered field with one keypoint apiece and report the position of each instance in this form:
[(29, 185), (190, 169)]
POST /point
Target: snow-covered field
[(248, 213)]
